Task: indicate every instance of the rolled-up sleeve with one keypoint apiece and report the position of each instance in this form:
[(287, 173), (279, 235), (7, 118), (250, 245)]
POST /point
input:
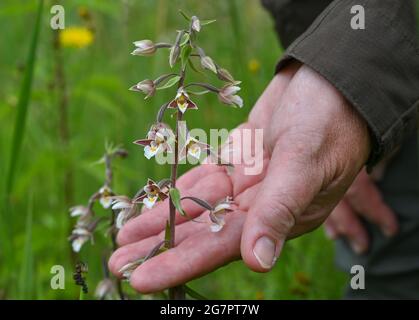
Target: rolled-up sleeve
[(376, 69)]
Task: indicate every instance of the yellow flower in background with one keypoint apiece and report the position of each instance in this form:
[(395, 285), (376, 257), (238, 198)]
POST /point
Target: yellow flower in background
[(76, 37), (253, 65)]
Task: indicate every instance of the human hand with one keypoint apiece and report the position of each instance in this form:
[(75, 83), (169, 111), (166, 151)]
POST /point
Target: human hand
[(363, 199), (314, 147)]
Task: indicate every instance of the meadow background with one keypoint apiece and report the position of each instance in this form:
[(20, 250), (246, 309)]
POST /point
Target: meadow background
[(80, 99)]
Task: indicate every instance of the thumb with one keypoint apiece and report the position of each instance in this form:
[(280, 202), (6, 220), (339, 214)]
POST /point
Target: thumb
[(288, 188)]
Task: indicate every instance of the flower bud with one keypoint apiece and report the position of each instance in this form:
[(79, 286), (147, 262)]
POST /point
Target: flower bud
[(174, 55), (208, 63), (228, 95), (147, 87), (144, 48), (224, 75), (195, 24)]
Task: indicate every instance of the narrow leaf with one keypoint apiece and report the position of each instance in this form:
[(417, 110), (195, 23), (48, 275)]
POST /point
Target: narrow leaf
[(198, 93), (26, 268), (175, 198), (154, 251), (184, 55), (193, 294), (184, 15), (164, 183), (191, 64), (207, 22), (161, 112), (200, 202), (23, 103), (185, 39)]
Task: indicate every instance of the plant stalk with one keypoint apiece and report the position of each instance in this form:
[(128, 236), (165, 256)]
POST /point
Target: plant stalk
[(109, 178), (178, 292)]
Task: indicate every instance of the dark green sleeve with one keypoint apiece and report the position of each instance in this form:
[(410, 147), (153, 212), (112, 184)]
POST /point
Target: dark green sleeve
[(376, 69)]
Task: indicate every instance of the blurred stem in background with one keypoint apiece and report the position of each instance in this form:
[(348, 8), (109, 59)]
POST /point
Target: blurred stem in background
[(60, 87), (113, 229)]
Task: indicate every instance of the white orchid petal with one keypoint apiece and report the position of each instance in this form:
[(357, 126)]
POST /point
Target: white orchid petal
[(237, 100), (195, 152), (106, 202), (150, 201), (231, 90), (216, 227), (78, 243), (151, 151), (78, 211), (120, 219), (182, 107), (118, 205), (221, 206)]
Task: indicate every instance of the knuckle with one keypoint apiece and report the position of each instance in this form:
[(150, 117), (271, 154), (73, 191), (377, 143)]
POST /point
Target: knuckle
[(279, 216)]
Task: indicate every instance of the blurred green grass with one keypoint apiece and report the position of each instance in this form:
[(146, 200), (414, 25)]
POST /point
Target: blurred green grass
[(101, 108)]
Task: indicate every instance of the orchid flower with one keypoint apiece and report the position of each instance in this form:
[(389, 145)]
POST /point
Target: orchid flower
[(227, 95), (144, 48), (217, 216), (126, 210), (193, 147), (105, 197), (106, 289), (147, 86), (152, 192), (78, 211), (157, 141), (182, 101)]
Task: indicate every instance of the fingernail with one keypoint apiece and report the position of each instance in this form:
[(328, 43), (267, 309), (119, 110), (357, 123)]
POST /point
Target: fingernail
[(388, 231), (357, 247), (330, 233), (264, 251)]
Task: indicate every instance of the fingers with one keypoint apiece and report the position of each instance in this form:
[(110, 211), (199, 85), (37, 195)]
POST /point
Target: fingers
[(365, 198), (330, 229), (284, 194), (211, 187), (199, 253), (344, 222)]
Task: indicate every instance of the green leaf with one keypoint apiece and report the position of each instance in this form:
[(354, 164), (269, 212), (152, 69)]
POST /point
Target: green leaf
[(193, 293), (185, 53), (184, 15), (170, 83), (198, 93), (207, 22), (193, 67), (26, 268), (185, 39), (6, 241), (23, 103), (175, 198)]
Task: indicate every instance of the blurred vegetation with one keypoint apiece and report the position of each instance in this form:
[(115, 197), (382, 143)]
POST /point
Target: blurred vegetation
[(80, 99)]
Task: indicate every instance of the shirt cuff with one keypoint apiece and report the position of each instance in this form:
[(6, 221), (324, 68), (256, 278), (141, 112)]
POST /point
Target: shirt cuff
[(376, 69)]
